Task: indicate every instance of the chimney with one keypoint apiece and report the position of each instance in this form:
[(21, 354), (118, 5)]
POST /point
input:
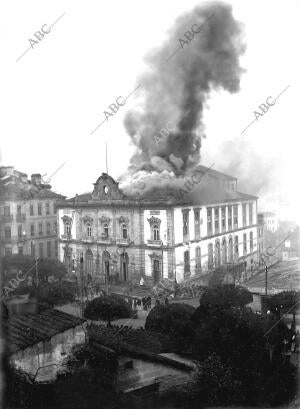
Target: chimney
[(36, 179)]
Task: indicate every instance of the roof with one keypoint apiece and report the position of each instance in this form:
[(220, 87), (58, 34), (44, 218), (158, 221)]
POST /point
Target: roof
[(215, 173), (267, 214), (25, 330)]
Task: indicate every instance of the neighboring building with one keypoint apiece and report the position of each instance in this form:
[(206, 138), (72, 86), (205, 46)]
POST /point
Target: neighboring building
[(270, 220), (129, 238), (38, 341), (27, 215)]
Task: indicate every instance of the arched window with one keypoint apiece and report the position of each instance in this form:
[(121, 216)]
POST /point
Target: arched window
[(230, 250), (89, 263), (105, 230), (124, 231), (89, 230), (186, 257), (156, 235), (198, 259), (210, 256), (67, 228), (224, 251), (217, 253)]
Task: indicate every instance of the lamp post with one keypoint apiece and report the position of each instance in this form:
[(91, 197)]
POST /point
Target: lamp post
[(266, 279)]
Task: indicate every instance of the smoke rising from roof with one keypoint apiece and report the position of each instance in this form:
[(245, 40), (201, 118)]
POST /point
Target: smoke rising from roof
[(176, 88)]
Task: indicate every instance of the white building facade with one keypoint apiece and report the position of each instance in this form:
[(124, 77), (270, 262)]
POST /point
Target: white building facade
[(124, 239)]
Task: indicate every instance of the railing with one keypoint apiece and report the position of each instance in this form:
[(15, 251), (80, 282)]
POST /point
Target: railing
[(21, 218), (66, 237), (104, 239), (123, 241), (154, 242), (88, 238), (6, 218)]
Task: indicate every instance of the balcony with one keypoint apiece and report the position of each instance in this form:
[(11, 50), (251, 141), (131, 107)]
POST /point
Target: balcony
[(88, 239), (104, 239), (123, 242), (154, 243), (66, 237), (7, 218), (21, 218)]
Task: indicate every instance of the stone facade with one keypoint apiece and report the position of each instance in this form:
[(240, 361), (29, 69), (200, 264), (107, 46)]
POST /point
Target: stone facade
[(129, 238)]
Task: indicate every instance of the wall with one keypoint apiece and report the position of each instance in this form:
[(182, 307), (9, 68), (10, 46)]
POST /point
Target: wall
[(49, 352)]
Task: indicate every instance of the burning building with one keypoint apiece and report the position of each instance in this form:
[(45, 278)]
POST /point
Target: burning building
[(170, 216)]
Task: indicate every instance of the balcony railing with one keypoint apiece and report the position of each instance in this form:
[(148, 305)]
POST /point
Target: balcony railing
[(21, 218), (6, 218), (88, 239), (104, 239), (66, 237), (154, 242), (123, 241)]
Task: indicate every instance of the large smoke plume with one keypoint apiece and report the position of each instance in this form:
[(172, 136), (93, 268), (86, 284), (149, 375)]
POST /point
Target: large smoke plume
[(174, 91)]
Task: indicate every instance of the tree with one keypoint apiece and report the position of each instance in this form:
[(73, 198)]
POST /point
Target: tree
[(53, 294), (174, 320), (226, 296), (108, 308), (251, 345), (284, 302)]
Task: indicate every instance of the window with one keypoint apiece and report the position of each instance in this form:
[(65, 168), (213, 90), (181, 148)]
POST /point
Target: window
[(216, 214), (54, 209), (49, 249), (210, 256), (229, 217), (185, 219), (20, 250), (223, 214), (20, 231), (209, 221), (31, 210), (198, 259), (244, 214), (235, 217), (19, 210), (250, 213), (6, 211), (39, 209), (32, 250), (89, 230), (54, 227), (41, 250), (217, 253), (67, 228), (8, 251), (32, 230), (236, 246), (48, 228), (47, 209), (40, 229), (224, 251), (251, 241), (245, 243), (156, 235), (7, 233), (56, 248), (197, 223), (186, 256), (230, 250), (105, 229), (124, 231)]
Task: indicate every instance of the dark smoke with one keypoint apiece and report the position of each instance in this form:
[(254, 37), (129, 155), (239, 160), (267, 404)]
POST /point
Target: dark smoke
[(175, 90)]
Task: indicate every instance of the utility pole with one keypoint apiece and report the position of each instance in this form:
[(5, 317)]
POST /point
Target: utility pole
[(266, 280)]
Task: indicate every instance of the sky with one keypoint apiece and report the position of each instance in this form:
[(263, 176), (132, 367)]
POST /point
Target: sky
[(55, 95)]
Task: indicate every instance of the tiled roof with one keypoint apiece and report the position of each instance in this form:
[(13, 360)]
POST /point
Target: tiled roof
[(25, 330)]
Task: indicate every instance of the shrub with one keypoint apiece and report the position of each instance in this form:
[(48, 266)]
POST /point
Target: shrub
[(226, 295), (108, 308)]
